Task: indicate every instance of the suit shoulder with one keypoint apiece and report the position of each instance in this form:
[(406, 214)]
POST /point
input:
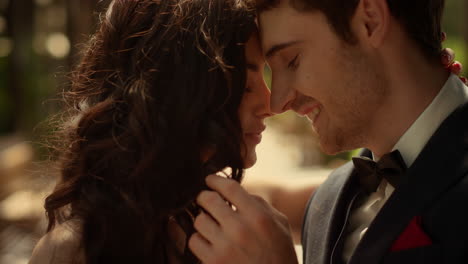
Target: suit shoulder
[(337, 179), (327, 194)]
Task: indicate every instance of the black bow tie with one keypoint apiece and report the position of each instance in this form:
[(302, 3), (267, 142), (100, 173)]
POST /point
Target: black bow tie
[(370, 173)]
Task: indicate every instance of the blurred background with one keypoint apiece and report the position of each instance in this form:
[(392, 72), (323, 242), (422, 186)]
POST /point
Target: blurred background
[(39, 44)]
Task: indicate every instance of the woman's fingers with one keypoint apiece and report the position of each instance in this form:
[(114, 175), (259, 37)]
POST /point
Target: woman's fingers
[(231, 191), (252, 233), (208, 227), (216, 206), (200, 247)]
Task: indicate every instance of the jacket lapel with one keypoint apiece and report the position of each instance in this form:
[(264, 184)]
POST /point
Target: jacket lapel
[(326, 216), (433, 172)]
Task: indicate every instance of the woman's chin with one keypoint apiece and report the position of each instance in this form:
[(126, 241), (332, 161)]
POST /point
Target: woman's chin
[(250, 160)]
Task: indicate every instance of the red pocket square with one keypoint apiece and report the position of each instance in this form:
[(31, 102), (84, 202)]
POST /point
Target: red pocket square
[(412, 237)]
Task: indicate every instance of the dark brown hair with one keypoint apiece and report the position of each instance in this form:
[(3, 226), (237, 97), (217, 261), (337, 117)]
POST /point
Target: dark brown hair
[(154, 110), (420, 18)]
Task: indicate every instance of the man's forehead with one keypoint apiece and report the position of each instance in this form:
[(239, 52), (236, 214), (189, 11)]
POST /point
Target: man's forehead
[(275, 26)]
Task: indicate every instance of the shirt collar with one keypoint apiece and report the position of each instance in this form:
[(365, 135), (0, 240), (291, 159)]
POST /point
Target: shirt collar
[(453, 94)]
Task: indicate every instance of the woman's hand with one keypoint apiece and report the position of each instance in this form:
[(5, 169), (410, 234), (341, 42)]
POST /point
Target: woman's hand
[(252, 233)]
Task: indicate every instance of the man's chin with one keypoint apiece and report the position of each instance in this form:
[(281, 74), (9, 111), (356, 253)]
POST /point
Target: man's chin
[(331, 148)]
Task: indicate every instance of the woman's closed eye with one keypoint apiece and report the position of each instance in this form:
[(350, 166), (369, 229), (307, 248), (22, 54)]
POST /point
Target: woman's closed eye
[(293, 64)]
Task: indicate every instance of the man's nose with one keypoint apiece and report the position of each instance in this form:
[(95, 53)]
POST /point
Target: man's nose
[(282, 96)]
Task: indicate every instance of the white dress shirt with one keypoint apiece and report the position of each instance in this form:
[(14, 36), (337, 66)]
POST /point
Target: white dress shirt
[(453, 94)]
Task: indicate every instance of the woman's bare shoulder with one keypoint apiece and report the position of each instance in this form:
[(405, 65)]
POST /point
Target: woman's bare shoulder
[(60, 245)]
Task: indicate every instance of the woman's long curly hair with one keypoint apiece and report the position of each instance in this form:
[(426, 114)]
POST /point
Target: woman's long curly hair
[(154, 110)]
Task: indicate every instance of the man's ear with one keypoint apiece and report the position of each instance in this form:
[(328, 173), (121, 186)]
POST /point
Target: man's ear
[(371, 21)]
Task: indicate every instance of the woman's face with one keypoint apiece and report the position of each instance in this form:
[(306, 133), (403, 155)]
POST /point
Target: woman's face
[(255, 105)]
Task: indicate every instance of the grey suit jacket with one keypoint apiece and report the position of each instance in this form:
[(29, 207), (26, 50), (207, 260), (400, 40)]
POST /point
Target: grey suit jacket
[(435, 187)]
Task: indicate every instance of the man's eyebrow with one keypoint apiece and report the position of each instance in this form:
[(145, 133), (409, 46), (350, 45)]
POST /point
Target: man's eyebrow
[(278, 47), (252, 67)]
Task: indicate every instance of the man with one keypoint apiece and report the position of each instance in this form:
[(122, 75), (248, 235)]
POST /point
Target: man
[(367, 74)]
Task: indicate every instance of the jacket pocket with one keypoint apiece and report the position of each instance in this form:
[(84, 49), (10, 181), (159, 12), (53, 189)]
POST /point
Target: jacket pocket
[(428, 255)]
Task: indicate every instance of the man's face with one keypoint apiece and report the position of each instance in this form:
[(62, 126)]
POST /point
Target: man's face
[(318, 75)]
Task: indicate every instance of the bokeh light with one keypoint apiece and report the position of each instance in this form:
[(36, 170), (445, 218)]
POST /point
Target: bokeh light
[(58, 45)]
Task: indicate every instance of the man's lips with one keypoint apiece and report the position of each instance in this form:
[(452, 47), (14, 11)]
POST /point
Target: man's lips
[(312, 112), (308, 109)]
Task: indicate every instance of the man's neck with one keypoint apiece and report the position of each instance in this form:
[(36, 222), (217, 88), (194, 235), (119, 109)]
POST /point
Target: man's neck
[(413, 83)]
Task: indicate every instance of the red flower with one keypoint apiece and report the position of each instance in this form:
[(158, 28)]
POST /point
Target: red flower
[(412, 237)]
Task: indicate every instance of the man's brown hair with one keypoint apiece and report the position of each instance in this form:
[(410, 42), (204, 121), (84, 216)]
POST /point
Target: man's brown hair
[(420, 18)]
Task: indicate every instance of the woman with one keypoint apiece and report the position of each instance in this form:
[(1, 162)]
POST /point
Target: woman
[(160, 100)]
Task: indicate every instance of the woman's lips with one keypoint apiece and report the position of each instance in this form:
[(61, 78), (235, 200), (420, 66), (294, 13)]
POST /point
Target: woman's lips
[(254, 138)]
